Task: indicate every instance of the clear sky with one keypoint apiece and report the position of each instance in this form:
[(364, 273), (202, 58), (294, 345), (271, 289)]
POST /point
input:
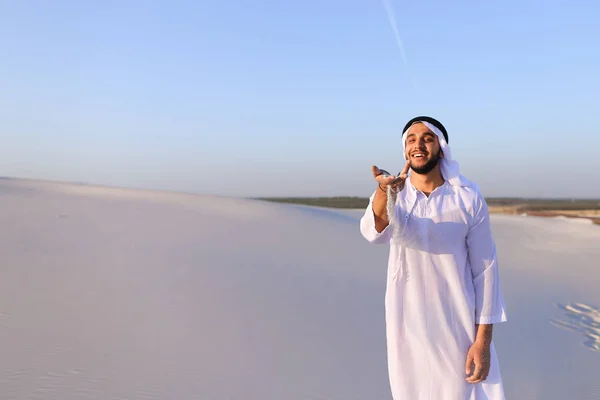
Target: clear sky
[(298, 98)]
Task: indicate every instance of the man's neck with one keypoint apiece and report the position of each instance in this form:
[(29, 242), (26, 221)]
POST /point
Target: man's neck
[(427, 183)]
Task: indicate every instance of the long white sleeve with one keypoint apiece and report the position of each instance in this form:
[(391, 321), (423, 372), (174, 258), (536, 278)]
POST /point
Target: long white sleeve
[(367, 226), (489, 302)]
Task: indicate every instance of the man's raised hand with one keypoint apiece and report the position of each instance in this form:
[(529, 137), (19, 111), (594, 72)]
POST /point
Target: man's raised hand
[(384, 179)]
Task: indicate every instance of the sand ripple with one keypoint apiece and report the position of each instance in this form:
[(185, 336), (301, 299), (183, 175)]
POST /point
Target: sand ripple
[(584, 319)]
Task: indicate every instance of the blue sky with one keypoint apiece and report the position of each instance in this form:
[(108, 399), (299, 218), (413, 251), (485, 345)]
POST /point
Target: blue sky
[(273, 98)]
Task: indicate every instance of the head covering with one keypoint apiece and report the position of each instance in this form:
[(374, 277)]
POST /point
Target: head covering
[(449, 167), (430, 120)]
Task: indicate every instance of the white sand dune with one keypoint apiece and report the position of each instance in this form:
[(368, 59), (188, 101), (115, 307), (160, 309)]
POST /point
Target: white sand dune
[(122, 294)]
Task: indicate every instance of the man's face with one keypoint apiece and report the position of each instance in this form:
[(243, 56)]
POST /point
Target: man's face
[(422, 149)]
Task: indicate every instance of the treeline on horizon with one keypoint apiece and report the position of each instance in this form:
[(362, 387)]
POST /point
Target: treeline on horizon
[(520, 204)]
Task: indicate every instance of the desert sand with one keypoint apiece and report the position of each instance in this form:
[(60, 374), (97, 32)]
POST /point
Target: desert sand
[(112, 293)]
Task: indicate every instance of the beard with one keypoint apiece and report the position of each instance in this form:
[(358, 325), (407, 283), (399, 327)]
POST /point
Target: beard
[(429, 166)]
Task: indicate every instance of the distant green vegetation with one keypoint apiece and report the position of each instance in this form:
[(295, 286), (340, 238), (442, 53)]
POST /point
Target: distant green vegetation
[(520, 203)]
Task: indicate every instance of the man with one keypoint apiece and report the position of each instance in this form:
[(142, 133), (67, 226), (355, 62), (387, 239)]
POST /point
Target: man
[(443, 293)]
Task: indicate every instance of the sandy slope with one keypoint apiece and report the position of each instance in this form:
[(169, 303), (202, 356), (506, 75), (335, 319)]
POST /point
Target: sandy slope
[(119, 294)]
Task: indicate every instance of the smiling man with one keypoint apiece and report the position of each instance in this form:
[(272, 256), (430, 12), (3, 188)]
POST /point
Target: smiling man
[(443, 292)]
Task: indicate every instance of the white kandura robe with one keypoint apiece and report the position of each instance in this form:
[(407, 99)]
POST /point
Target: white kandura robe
[(442, 279)]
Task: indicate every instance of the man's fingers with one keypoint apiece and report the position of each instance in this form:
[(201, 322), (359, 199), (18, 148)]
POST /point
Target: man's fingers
[(388, 180), (398, 180), (382, 176), (404, 171), (475, 379), (477, 358), (469, 364), (477, 375), (378, 171), (403, 174), (480, 378)]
